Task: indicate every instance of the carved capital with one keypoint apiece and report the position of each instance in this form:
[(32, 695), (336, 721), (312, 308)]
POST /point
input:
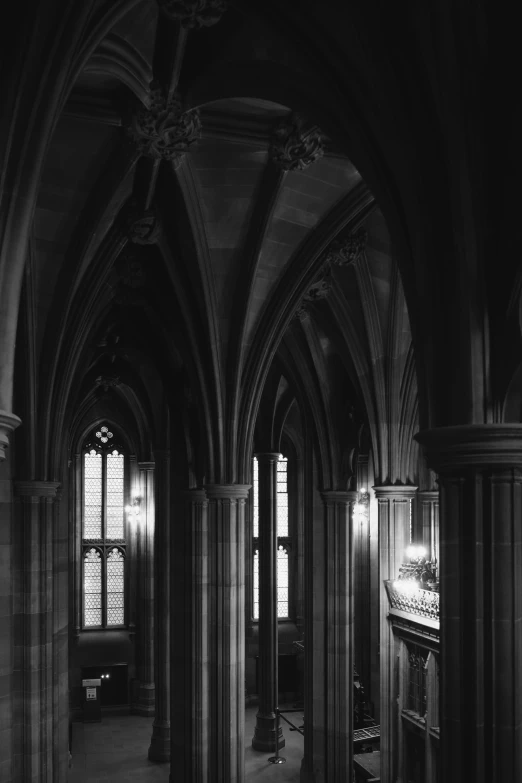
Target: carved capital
[(342, 252), (473, 446), (8, 423), (294, 147), (37, 489), (227, 491), (165, 131), (194, 14)]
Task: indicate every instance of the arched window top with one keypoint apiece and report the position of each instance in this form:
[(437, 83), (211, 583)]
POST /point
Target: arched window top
[(102, 439), (115, 554)]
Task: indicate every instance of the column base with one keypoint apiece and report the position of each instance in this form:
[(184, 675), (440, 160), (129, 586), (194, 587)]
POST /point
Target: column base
[(145, 703), (306, 774), (265, 735), (159, 749)]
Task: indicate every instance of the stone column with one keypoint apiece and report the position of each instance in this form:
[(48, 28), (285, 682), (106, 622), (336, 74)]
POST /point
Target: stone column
[(329, 642), (227, 653), (429, 522), (7, 626), (265, 728), (33, 609), (144, 704), (159, 749), (189, 643), (480, 477), (394, 504), (133, 536), (60, 638)]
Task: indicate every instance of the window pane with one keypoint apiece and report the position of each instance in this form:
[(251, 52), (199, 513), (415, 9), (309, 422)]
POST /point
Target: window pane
[(92, 495), (114, 495), (256, 585), (417, 660), (115, 587), (282, 497), (282, 582), (255, 510), (92, 588)]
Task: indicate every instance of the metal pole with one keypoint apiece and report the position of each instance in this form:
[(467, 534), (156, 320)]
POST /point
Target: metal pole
[(277, 759)]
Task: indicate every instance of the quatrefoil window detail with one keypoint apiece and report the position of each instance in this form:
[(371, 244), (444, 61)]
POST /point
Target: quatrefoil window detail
[(103, 434)]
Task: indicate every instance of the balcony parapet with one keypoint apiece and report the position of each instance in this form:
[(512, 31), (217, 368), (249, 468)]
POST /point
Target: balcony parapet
[(405, 596)]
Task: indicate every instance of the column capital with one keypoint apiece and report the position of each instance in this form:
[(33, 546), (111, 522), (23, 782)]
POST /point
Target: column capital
[(227, 491), (395, 492), (339, 496), (267, 456), (195, 495), (161, 454), (8, 423), (450, 449), (428, 494), (146, 465), (37, 489)]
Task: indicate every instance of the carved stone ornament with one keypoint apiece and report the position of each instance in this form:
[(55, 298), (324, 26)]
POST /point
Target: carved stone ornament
[(165, 131), (346, 251), (8, 423), (143, 226), (319, 290), (107, 382), (293, 147), (194, 14)]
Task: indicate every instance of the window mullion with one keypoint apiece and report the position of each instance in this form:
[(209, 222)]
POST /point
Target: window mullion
[(104, 534)]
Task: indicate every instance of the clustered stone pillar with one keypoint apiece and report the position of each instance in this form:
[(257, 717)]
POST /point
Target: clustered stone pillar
[(145, 619), (60, 638), (266, 723), (329, 640), (159, 749), (480, 478), (189, 626), (227, 652), (394, 520), (33, 706)]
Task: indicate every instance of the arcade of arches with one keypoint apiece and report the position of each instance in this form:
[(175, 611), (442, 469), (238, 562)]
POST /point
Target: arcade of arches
[(281, 231)]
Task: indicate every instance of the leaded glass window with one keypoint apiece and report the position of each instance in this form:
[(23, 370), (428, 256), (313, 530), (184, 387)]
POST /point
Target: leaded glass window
[(115, 587), (282, 581), (92, 587), (417, 669), (103, 527), (283, 540)]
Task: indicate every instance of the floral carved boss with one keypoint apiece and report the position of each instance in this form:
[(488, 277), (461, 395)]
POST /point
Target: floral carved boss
[(164, 131), (194, 13), (294, 147)]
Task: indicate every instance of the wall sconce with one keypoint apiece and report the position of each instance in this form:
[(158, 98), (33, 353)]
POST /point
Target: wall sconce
[(416, 552), (361, 507), (134, 511)]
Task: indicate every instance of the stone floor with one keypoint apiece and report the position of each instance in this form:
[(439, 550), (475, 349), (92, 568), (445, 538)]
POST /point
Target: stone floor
[(116, 750)]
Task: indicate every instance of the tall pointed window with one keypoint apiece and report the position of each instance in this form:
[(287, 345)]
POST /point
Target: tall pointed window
[(103, 535), (283, 540)]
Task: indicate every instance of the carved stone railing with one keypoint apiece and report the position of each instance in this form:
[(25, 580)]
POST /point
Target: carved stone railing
[(406, 596)]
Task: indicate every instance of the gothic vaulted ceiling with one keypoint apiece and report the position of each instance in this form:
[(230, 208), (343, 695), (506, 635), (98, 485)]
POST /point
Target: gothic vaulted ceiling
[(193, 215)]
